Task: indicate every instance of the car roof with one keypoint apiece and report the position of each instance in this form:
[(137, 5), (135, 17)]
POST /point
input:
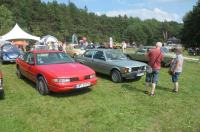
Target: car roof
[(45, 51), (102, 49)]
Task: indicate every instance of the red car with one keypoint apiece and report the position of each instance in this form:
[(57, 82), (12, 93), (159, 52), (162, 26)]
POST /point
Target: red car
[(54, 71), (1, 85)]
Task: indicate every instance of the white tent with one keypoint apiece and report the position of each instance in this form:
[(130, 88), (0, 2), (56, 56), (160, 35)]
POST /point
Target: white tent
[(18, 33)]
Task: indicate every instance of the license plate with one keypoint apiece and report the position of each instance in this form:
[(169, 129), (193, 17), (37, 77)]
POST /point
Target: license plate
[(83, 85), (140, 74)]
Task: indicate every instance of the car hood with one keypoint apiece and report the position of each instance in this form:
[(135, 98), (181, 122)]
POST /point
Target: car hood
[(127, 63), (66, 70)]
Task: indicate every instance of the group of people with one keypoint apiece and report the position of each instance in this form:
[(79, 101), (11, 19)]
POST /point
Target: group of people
[(155, 57)]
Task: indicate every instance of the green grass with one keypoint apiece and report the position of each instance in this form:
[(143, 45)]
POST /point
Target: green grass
[(105, 107)]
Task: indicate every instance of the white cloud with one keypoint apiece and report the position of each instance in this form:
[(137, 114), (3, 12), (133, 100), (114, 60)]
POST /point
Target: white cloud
[(145, 14)]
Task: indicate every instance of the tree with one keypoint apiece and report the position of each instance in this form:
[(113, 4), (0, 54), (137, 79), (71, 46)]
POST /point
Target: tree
[(191, 27), (6, 20)]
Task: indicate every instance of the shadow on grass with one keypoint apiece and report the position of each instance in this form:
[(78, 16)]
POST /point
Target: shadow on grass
[(164, 88), (32, 84), (107, 77), (130, 87), (75, 92)]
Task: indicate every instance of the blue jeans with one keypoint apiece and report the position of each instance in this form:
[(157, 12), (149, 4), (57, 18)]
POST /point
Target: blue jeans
[(152, 77), (175, 77)]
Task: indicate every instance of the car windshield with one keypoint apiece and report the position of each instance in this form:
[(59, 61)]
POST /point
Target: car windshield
[(53, 58), (115, 55), (10, 48), (164, 50)]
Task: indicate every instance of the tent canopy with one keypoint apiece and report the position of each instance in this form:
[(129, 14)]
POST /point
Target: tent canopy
[(18, 34)]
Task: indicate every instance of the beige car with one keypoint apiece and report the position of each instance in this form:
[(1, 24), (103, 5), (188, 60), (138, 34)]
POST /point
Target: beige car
[(74, 50)]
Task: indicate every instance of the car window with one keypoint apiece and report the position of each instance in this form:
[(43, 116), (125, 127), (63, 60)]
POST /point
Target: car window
[(24, 56), (53, 58), (115, 55), (30, 57), (88, 54), (142, 51), (99, 55)]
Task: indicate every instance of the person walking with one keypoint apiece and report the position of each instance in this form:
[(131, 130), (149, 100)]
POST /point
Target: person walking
[(176, 69), (124, 45), (155, 57)]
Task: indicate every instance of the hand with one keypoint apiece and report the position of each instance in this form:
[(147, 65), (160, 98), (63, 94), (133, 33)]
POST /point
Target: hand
[(173, 72)]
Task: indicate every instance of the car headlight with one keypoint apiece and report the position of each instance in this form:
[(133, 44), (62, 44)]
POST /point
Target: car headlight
[(127, 70), (92, 76), (5, 57), (61, 80)]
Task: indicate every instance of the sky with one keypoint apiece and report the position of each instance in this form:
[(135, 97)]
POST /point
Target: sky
[(170, 10)]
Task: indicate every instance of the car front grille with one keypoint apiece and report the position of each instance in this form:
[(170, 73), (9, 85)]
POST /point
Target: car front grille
[(142, 68), (74, 79), (87, 77)]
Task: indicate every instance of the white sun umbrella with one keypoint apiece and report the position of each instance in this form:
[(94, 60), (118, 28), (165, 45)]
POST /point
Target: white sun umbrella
[(48, 38), (51, 41)]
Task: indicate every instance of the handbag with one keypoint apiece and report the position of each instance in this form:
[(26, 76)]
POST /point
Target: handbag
[(170, 72), (149, 68)]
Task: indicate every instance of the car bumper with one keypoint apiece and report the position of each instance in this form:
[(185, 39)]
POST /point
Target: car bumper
[(10, 60), (133, 75), (72, 85)]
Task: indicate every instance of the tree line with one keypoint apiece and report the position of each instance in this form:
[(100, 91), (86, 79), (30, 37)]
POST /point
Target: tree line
[(62, 20), (191, 28)]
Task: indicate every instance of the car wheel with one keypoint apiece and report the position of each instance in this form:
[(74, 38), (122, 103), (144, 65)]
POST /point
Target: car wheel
[(116, 76), (137, 78), (19, 74), (42, 86)]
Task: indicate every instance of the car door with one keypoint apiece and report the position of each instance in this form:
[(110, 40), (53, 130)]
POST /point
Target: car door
[(31, 67), (87, 58), (27, 66), (99, 63), (22, 64), (140, 55)]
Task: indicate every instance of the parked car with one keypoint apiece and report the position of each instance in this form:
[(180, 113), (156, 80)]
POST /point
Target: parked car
[(194, 51), (140, 55), (112, 62), (1, 86), (54, 71), (9, 53), (39, 47), (74, 50)]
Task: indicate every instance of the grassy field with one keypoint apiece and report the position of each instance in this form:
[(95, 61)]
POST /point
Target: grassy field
[(104, 107)]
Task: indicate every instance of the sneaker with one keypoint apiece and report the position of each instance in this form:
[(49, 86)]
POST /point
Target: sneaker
[(174, 90), (152, 94)]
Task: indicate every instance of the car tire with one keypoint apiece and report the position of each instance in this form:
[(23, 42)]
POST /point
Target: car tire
[(116, 76), (42, 86), (19, 74)]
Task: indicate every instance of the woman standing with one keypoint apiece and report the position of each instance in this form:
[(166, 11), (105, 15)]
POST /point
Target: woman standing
[(176, 68)]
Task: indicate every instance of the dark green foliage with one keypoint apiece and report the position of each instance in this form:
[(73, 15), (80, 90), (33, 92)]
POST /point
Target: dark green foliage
[(63, 20), (191, 32)]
